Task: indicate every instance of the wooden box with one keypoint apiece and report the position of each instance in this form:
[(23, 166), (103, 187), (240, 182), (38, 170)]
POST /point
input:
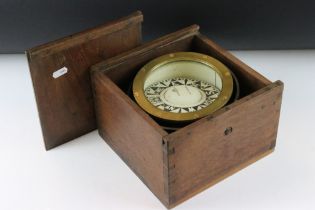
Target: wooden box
[(175, 166)]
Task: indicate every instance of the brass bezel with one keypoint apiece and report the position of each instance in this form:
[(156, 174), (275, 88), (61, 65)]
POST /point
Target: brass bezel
[(220, 68)]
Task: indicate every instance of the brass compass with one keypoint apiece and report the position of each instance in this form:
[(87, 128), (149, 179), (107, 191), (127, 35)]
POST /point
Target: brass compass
[(182, 86)]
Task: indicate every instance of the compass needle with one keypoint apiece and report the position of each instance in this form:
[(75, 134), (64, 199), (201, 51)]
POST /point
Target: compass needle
[(187, 89)]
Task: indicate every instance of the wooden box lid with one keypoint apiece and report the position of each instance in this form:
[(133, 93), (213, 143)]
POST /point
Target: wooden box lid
[(60, 75)]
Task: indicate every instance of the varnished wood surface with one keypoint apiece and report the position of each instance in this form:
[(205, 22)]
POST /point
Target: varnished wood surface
[(116, 112), (132, 134), (122, 68), (65, 104), (149, 47), (202, 152)]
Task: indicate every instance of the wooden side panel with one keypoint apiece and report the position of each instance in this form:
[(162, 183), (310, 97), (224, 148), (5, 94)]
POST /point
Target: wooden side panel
[(214, 147), (122, 68), (131, 133), (65, 104)]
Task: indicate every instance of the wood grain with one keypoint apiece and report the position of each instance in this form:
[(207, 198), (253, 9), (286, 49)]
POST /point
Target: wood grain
[(65, 104), (140, 144), (203, 151), (122, 68), (131, 133)]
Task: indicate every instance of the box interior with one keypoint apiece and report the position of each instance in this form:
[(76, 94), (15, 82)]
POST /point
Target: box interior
[(123, 73)]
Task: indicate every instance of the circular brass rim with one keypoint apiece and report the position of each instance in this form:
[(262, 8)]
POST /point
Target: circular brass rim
[(220, 68)]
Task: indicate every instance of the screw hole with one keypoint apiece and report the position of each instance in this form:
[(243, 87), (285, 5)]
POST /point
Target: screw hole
[(228, 131)]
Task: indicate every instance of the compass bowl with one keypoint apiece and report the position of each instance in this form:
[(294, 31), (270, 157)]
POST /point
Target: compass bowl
[(182, 86)]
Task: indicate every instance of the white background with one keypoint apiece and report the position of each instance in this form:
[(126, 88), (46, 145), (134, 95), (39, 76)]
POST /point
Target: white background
[(86, 174)]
